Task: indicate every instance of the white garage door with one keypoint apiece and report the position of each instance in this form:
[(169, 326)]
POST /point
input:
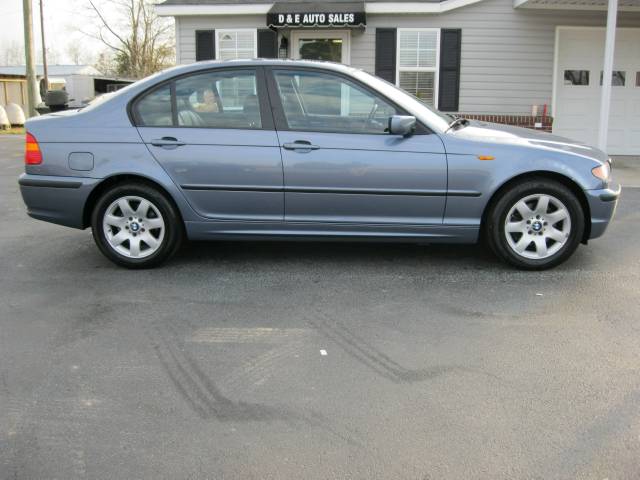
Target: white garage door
[(578, 88)]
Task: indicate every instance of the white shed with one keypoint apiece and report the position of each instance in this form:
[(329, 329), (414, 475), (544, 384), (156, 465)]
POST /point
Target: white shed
[(82, 82)]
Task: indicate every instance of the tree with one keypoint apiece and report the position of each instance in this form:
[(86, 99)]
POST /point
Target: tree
[(77, 54), (53, 56), (142, 43), (106, 64), (14, 54)]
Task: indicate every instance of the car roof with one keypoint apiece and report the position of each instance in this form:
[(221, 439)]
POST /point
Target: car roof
[(208, 64)]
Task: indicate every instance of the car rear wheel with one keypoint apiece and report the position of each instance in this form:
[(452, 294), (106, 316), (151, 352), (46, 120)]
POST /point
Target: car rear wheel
[(536, 224), (136, 226)]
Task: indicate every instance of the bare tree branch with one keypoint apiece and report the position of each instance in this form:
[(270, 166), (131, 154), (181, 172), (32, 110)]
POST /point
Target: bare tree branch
[(143, 44), (104, 22)]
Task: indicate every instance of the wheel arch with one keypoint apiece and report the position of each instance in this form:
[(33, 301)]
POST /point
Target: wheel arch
[(563, 179), (114, 180)]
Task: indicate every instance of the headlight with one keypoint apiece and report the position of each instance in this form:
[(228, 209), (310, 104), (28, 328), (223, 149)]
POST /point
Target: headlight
[(602, 172)]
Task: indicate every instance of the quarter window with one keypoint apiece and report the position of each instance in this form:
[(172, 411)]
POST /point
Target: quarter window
[(235, 44), (576, 77), (321, 102), (154, 109), (417, 62)]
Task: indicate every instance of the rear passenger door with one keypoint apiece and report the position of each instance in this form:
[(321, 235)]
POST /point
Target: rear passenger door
[(213, 133)]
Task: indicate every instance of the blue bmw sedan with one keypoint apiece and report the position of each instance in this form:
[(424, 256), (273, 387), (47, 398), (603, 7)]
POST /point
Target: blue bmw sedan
[(300, 149)]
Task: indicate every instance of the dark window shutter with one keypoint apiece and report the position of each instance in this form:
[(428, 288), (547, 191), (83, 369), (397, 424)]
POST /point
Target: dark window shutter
[(386, 54), (205, 45), (449, 83), (267, 43)]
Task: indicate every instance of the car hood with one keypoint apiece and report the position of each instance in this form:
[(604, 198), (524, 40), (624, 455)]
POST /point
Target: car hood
[(526, 137)]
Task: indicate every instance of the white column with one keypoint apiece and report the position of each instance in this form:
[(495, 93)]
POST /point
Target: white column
[(605, 99)]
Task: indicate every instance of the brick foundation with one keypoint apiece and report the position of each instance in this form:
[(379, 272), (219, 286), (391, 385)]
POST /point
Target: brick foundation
[(526, 121)]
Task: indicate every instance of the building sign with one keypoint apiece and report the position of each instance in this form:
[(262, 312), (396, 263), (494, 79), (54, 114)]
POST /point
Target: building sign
[(327, 19)]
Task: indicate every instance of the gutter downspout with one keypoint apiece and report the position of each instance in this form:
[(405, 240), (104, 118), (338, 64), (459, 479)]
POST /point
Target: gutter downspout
[(607, 73)]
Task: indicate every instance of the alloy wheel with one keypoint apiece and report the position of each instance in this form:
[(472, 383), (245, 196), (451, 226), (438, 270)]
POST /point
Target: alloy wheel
[(537, 226), (133, 227)]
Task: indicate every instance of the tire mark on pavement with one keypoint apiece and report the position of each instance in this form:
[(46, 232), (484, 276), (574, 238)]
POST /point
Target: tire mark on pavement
[(198, 390), (206, 399), (258, 370), (376, 360)]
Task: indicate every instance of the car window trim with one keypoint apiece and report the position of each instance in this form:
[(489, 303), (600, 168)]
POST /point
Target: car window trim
[(174, 105), (281, 123), (266, 112)]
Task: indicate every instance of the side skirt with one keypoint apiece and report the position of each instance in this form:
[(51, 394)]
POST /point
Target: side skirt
[(232, 230)]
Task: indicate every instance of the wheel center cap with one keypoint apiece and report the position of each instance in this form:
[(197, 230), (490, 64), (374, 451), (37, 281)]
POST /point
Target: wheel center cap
[(134, 226), (536, 226)]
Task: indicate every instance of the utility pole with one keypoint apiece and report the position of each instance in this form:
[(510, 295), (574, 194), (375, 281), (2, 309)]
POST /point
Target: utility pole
[(29, 55), (44, 50)]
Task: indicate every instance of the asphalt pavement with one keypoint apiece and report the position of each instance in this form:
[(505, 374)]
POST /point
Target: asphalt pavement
[(316, 360)]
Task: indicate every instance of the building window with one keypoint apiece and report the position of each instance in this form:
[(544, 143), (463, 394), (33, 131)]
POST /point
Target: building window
[(576, 77), (233, 44), (417, 62), (618, 78)]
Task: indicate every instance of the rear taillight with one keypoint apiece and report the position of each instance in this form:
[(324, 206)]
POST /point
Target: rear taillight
[(32, 153)]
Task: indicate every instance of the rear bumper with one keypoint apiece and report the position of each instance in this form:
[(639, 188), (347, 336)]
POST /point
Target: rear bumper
[(58, 200), (602, 204)]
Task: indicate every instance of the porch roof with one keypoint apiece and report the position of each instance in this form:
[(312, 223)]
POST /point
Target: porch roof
[(623, 5)]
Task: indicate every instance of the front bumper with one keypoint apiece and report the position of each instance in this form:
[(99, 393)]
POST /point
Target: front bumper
[(58, 200), (602, 205)]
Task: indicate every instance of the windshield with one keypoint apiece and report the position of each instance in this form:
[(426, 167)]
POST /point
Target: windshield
[(432, 117)]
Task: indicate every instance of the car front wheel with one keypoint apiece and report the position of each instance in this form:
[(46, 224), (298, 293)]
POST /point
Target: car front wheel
[(536, 224), (135, 226)]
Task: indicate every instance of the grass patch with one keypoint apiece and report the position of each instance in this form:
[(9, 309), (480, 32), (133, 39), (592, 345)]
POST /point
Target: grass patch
[(12, 131)]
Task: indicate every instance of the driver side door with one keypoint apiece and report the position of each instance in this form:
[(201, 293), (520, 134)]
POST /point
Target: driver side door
[(340, 165)]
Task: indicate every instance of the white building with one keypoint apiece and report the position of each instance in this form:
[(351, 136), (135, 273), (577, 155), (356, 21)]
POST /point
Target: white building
[(82, 82), (508, 61)]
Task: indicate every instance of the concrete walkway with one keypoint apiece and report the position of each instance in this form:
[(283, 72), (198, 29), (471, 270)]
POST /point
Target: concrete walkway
[(626, 170)]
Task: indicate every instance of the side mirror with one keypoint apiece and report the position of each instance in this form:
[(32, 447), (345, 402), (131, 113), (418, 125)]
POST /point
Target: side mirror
[(402, 125)]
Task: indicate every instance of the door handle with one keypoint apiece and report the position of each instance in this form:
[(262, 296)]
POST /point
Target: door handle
[(167, 142), (300, 145)]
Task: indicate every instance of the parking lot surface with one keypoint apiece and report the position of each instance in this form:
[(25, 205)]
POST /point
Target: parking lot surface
[(316, 360)]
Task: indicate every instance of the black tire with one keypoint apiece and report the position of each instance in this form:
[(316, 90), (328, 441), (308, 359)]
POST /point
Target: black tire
[(173, 226), (495, 222)]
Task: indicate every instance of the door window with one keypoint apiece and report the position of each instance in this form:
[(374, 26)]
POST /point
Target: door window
[(329, 49), (617, 78), (216, 99), (329, 45), (316, 101), (576, 77)]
